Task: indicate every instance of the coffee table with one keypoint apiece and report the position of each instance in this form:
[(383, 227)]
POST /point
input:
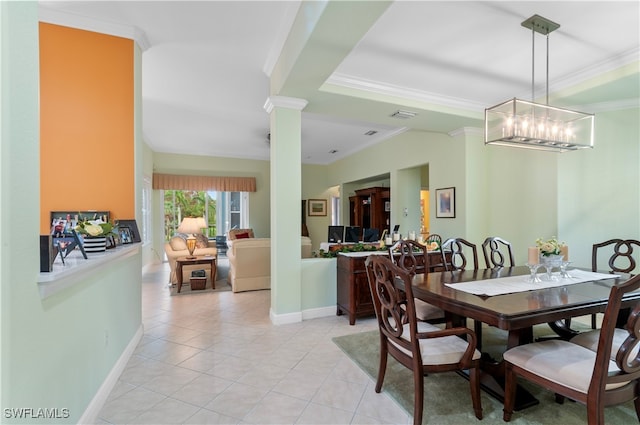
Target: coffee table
[(206, 259)]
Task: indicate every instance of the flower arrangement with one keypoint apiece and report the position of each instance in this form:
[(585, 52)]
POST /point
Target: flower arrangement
[(95, 228), (550, 246)]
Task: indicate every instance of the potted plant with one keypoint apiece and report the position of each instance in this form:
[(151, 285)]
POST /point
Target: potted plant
[(95, 233)]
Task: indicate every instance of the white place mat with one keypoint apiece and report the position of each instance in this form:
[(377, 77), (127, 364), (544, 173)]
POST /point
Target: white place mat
[(511, 284)]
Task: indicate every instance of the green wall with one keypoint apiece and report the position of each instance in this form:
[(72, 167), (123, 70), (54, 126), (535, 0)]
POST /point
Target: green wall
[(54, 352)]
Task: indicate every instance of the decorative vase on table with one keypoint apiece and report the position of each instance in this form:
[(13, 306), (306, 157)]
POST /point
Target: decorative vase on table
[(95, 244), (550, 262)]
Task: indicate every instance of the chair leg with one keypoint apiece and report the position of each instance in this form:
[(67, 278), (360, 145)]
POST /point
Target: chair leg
[(382, 368), (593, 322), (418, 397), (509, 393), (474, 382), (636, 403)]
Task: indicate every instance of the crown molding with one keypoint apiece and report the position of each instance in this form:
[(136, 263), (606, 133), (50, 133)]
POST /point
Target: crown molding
[(466, 131), (385, 89), (284, 102), (611, 64), (284, 27), (73, 20)]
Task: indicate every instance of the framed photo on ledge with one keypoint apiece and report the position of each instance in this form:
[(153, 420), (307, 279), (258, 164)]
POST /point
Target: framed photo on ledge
[(446, 202), (317, 207)]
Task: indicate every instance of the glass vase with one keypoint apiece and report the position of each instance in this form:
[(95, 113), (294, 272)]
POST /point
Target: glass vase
[(549, 262)]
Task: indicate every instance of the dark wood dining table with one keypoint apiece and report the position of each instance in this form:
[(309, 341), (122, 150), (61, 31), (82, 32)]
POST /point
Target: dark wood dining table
[(515, 313)]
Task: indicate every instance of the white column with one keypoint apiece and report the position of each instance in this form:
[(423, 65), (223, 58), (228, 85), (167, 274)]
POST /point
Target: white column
[(286, 197)]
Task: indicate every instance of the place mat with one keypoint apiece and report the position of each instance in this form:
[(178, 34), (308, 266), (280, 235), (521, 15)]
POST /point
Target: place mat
[(512, 284)]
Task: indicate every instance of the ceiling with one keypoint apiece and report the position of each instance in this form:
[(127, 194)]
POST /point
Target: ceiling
[(209, 66)]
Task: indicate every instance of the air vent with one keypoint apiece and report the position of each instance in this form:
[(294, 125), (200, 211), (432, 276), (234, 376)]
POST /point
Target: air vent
[(403, 115), (370, 133)]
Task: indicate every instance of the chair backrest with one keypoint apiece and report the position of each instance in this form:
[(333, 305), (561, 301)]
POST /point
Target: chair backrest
[(409, 255), (457, 247), (496, 251), (621, 258), (628, 355), (434, 237), (394, 306)]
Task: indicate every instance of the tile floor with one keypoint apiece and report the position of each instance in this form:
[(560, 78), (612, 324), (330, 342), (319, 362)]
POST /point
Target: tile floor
[(216, 359)]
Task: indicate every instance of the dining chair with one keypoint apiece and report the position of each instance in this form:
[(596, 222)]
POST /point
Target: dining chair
[(621, 260), (600, 378), (413, 258), (496, 251), (434, 237), (419, 346), (459, 248)]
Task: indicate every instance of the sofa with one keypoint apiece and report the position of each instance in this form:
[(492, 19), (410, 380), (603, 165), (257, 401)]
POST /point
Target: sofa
[(250, 262), (177, 247), (234, 234)]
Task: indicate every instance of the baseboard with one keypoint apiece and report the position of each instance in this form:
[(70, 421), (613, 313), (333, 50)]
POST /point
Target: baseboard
[(285, 319), (312, 313), (97, 403), (315, 313)]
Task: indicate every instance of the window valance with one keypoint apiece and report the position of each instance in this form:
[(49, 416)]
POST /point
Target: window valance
[(220, 184)]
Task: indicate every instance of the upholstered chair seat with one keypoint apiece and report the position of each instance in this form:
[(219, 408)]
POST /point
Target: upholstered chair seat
[(561, 362), (434, 351)]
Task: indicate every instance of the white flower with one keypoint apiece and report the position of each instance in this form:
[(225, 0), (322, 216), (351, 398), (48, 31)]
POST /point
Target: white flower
[(93, 229)]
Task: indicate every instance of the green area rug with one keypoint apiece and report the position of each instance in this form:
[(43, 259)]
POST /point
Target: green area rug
[(447, 395)]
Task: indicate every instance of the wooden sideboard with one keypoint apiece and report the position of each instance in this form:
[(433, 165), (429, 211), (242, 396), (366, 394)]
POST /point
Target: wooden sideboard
[(354, 296)]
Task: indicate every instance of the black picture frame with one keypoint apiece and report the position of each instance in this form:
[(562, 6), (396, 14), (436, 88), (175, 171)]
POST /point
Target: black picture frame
[(125, 235), (352, 234), (335, 234), (66, 244), (133, 230), (111, 242)]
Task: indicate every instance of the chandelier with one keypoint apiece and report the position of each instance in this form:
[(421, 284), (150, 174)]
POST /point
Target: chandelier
[(530, 125)]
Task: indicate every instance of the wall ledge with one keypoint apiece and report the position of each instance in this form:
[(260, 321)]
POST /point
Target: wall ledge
[(76, 268)]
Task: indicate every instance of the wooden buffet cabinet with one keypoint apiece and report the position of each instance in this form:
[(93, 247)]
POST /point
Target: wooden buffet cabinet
[(367, 208), (354, 296)]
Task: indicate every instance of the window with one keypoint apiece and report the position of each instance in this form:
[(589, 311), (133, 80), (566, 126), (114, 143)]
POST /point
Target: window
[(335, 210), (221, 210)]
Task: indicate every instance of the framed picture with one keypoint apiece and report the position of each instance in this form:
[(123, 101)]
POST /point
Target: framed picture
[(317, 207), (133, 229), (111, 242), (387, 206), (125, 234), (446, 202)]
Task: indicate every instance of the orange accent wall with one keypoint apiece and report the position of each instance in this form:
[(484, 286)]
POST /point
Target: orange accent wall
[(86, 123)]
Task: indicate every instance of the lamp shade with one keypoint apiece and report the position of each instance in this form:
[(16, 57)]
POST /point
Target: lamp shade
[(191, 225)]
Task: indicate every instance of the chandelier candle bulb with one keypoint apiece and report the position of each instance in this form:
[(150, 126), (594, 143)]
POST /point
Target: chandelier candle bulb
[(564, 251), (534, 255)]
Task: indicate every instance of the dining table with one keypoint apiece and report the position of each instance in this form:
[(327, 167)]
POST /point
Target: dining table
[(507, 299)]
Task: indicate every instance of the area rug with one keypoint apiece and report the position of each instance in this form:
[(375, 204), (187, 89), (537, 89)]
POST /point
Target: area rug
[(221, 286), (447, 395)]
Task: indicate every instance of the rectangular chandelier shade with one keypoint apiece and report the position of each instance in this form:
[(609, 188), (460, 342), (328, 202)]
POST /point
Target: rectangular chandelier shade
[(530, 125)]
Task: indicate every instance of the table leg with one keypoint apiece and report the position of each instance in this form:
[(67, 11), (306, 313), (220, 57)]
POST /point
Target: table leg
[(492, 372), (179, 275)]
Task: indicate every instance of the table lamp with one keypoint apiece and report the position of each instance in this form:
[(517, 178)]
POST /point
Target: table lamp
[(190, 226)]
